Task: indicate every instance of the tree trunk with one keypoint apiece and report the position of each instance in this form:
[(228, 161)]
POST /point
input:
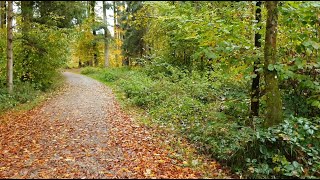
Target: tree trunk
[(3, 14), (255, 88), (273, 96), (114, 19), (88, 9), (115, 29), (27, 14), (92, 15), (106, 44), (9, 48)]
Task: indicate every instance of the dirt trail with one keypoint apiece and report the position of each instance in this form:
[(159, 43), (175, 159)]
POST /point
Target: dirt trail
[(82, 133)]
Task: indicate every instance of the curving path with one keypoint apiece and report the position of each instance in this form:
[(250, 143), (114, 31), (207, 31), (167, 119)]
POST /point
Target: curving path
[(82, 133), (72, 140)]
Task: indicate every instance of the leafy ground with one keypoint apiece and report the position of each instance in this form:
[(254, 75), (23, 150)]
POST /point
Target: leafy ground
[(83, 133)]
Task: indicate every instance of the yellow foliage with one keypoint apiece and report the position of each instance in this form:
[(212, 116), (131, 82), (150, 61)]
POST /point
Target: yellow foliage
[(82, 47)]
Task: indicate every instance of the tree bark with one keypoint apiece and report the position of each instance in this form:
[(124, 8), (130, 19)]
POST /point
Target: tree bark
[(115, 29), (273, 96), (27, 14), (92, 15), (106, 44), (255, 88), (114, 19), (9, 48)]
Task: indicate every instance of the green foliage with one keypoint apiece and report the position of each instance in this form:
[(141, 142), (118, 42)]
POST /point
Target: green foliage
[(3, 54), (23, 92), (188, 38), (133, 43), (40, 49), (40, 55), (211, 111), (299, 53), (290, 149), (60, 13), (88, 70), (197, 68)]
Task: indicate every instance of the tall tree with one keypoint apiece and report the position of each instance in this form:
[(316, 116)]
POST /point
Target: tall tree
[(273, 96), (255, 88), (92, 16), (106, 40), (3, 13), (73, 12), (133, 43), (115, 27), (27, 18), (9, 47)]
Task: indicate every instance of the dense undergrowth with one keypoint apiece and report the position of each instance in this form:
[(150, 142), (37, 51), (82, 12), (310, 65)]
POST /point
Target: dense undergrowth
[(211, 110), (26, 95)]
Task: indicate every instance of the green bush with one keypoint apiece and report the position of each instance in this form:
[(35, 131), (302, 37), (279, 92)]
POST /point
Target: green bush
[(23, 92), (290, 149), (137, 87), (211, 110), (88, 70), (39, 55)]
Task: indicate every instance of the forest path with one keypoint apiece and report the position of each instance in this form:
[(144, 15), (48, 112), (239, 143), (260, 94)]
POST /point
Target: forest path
[(82, 133)]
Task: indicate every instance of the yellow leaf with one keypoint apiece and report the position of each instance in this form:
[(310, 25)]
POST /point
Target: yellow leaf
[(148, 172)]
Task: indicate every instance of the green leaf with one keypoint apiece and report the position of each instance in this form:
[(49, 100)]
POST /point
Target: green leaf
[(253, 75), (315, 104), (315, 45), (310, 131), (260, 70), (263, 150), (308, 51), (307, 43), (270, 67), (210, 54)]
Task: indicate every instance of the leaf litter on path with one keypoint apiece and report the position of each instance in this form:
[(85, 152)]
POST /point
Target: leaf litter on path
[(83, 133)]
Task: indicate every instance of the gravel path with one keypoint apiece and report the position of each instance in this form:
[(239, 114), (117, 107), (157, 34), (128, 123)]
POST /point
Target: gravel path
[(70, 130), (82, 133)]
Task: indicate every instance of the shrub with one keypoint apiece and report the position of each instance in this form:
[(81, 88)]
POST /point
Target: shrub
[(88, 70), (210, 110), (23, 93), (290, 149)]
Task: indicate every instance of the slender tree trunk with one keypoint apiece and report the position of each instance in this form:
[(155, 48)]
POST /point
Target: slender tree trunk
[(106, 44), (27, 14), (92, 14), (119, 15), (273, 96), (3, 14), (255, 89), (9, 48), (115, 29), (114, 19), (88, 8)]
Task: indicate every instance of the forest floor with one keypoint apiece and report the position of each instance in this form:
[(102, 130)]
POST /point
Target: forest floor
[(81, 132)]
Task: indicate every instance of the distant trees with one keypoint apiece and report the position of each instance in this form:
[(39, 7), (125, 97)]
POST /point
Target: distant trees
[(127, 40), (40, 40)]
